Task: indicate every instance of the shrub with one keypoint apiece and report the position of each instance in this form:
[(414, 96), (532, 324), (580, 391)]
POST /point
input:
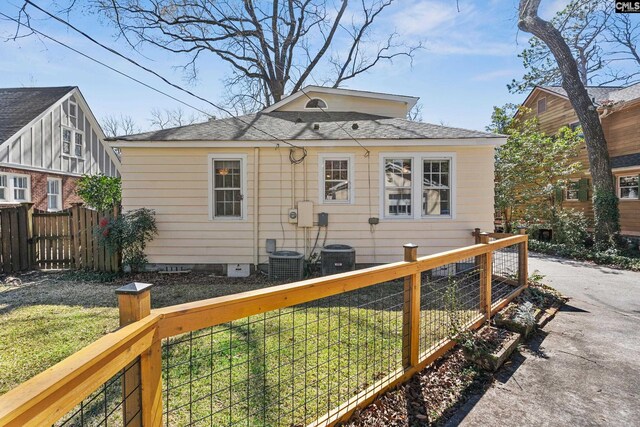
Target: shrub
[(100, 192), (611, 257), (130, 233)]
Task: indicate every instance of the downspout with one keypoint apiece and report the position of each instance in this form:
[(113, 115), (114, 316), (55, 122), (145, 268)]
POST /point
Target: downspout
[(256, 207), (305, 231)]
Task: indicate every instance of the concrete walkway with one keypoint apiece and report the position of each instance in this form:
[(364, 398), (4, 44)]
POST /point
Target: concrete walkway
[(583, 368)]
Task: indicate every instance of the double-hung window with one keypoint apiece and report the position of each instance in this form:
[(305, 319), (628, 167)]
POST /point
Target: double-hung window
[(15, 188), (336, 179), (436, 189), (573, 188), (228, 184), (20, 188), (54, 194), (628, 187), (418, 186), (398, 187), (67, 135)]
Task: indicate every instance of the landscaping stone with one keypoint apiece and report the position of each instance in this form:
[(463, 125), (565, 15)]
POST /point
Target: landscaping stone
[(491, 361)]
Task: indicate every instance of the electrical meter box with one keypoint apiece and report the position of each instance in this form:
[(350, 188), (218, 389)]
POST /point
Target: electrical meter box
[(305, 214)]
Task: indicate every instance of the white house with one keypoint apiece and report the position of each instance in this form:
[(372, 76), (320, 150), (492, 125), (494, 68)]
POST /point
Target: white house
[(223, 189)]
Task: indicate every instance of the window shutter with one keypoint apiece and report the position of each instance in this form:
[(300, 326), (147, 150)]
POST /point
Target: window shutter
[(583, 190), (559, 194)]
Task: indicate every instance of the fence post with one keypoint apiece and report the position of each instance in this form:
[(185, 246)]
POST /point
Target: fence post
[(486, 273), (523, 259), (476, 234), (144, 406), (411, 312)]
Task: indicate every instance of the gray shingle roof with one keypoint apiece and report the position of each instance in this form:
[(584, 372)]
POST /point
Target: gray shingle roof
[(18, 106), (625, 161), (627, 94), (294, 125), (598, 93)]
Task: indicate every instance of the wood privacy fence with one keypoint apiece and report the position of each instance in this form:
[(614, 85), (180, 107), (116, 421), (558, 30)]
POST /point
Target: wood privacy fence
[(305, 353), (53, 240)]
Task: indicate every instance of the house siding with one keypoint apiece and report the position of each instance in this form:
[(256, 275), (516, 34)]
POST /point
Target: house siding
[(174, 182), (623, 137)]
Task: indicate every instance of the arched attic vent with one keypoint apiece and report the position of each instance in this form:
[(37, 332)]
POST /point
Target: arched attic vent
[(316, 103)]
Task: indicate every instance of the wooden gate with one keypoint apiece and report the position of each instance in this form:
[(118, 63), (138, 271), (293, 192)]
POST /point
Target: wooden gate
[(53, 240), (15, 251)]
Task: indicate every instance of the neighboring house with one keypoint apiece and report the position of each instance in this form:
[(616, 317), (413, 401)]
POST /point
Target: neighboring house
[(48, 139), (619, 110), (220, 189)]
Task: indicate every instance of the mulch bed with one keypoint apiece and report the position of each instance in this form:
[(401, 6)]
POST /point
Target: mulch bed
[(429, 398)]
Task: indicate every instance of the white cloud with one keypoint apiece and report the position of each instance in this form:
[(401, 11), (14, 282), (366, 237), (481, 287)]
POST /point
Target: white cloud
[(449, 32)]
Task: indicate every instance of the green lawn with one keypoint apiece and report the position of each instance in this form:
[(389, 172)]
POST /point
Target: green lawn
[(282, 368)]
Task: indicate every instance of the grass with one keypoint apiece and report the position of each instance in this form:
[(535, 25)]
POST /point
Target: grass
[(285, 367)]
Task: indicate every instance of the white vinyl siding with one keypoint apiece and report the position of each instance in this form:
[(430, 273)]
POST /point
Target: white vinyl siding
[(177, 184), (54, 194), (336, 179)]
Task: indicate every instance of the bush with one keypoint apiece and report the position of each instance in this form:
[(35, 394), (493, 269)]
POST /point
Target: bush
[(129, 233), (100, 192), (569, 227), (610, 257)]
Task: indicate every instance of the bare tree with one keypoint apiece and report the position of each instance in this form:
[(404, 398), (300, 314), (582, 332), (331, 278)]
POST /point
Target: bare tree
[(118, 125), (415, 114), (602, 43), (167, 118), (272, 48), (605, 202)]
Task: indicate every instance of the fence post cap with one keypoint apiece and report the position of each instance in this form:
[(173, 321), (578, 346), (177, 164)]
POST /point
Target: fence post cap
[(133, 288), (410, 245)]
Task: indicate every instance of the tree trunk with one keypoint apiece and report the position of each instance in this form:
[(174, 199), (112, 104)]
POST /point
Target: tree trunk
[(605, 202)]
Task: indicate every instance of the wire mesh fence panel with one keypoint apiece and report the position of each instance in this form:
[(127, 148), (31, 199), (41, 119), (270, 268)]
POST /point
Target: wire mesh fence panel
[(285, 367), (505, 272), (449, 301), (115, 403)]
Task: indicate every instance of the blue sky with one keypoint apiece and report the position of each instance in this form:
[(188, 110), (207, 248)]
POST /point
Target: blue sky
[(469, 58)]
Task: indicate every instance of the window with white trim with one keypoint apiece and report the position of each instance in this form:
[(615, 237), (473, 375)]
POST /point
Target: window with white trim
[(336, 181), (398, 188), (72, 142), (73, 114), (67, 134), (628, 187), (418, 185), (436, 189), (3, 188), (573, 189), (54, 194), (20, 188), (78, 140), (228, 182)]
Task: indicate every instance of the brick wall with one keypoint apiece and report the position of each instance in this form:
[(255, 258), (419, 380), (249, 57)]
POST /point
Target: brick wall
[(39, 187)]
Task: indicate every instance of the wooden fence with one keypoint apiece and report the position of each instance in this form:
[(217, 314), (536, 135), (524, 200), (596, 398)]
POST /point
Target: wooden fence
[(53, 240), (136, 355)]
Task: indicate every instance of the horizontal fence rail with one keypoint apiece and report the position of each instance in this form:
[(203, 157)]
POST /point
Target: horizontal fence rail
[(305, 353)]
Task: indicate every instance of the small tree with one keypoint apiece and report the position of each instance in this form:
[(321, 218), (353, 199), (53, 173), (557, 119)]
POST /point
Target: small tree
[(100, 192), (530, 168)]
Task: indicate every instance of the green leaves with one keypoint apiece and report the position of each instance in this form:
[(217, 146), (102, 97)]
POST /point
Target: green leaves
[(100, 192)]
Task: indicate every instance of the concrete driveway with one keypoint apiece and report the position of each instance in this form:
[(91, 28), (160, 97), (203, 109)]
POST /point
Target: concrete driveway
[(583, 368)]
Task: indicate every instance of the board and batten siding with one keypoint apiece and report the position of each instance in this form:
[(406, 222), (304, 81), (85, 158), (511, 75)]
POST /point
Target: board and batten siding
[(39, 146), (174, 182)]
